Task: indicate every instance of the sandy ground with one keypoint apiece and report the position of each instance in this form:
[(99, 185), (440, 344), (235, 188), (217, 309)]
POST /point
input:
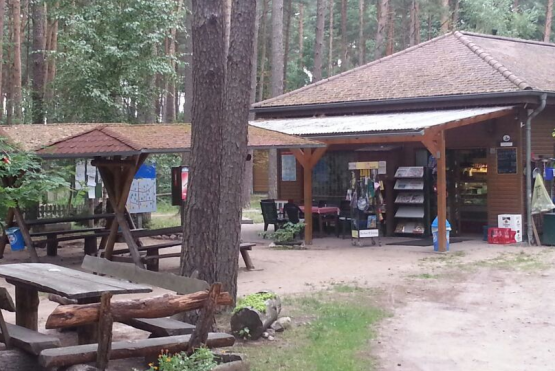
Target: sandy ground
[(466, 317)]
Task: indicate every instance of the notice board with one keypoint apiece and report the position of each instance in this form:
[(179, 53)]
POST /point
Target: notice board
[(507, 161)]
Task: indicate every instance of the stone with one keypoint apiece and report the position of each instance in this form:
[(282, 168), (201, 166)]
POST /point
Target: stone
[(82, 368), (265, 335), (281, 324), (271, 338)]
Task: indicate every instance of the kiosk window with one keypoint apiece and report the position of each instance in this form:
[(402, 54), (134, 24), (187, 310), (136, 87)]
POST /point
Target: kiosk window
[(506, 161)]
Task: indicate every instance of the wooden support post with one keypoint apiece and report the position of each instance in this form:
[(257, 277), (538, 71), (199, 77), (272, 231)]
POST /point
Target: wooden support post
[(51, 245), (26, 235), (4, 238), (442, 192), (5, 332), (206, 319), (307, 184), (88, 334), (105, 323), (27, 305)]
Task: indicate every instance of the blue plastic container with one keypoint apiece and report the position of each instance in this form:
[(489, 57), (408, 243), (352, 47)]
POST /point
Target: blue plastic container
[(16, 239), (549, 173), (435, 226)]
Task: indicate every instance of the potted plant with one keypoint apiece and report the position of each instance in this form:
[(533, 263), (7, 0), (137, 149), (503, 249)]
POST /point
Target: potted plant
[(288, 235)]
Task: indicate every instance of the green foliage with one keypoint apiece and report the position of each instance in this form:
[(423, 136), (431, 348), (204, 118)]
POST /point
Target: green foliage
[(28, 181), (285, 234), (255, 301), (107, 57), (201, 360)]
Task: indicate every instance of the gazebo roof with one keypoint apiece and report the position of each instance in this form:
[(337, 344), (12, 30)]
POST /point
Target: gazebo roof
[(89, 140)]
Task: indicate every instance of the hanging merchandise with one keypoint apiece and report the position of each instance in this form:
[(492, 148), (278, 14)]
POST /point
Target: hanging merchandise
[(541, 202)]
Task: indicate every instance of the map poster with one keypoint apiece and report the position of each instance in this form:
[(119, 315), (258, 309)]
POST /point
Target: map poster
[(288, 168), (142, 197)]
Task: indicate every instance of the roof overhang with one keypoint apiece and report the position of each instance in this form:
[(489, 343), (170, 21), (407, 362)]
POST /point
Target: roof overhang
[(392, 125)]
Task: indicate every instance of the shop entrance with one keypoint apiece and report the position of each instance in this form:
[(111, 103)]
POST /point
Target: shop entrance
[(467, 190)]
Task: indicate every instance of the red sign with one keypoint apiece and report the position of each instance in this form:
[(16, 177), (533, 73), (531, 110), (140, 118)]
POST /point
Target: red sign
[(184, 182)]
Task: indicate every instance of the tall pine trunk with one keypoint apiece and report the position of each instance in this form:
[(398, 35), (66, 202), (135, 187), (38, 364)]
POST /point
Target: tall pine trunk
[(51, 46), (16, 66), (361, 38), (344, 50), (455, 17), (2, 16), (444, 28), (383, 15), (391, 32), (276, 84), (287, 33), (301, 35), (414, 37), (319, 41), (264, 41), (170, 106), (548, 20), (39, 73), (330, 44), (188, 65), (220, 101)]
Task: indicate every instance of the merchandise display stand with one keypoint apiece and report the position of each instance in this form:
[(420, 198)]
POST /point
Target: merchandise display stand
[(366, 196), (410, 201)]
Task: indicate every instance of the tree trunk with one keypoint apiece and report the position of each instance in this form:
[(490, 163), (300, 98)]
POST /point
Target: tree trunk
[(414, 37), (287, 15), (515, 5), (51, 61), (361, 38), (344, 50), (38, 61), (257, 322), (65, 316), (7, 80), (16, 67), (147, 108), (220, 103), (330, 46), (200, 239), (301, 35), (391, 33), (444, 28), (319, 41), (227, 15), (548, 19), (383, 15), (276, 84), (429, 26), (455, 17), (2, 14), (273, 174), (188, 65), (234, 146), (264, 41)]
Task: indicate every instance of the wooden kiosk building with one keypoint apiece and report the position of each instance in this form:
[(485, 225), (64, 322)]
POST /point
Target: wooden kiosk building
[(476, 106)]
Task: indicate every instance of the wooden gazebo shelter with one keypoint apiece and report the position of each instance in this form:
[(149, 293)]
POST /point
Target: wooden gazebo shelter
[(118, 150)]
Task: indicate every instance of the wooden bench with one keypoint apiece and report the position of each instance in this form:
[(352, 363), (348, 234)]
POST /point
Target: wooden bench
[(160, 327), (12, 335), (244, 248), (68, 356), (52, 239), (153, 254)]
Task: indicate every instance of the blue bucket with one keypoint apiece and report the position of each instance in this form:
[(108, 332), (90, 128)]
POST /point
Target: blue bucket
[(549, 173), (16, 239)]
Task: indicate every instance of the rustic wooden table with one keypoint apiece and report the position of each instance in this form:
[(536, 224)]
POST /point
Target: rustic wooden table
[(320, 212), (30, 278)]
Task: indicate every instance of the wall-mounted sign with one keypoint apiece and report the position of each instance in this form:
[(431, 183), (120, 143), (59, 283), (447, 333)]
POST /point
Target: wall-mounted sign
[(507, 161), (142, 197), (180, 183), (288, 168)]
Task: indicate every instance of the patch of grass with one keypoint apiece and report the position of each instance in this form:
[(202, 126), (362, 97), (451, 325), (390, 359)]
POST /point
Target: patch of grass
[(447, 259), (255, 215), (165, 221), (346, 288), (335, 339), (425, 276), (510, 261)]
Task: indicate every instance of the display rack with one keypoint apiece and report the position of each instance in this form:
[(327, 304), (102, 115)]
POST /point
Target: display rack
[(366, 196), (411, 214)]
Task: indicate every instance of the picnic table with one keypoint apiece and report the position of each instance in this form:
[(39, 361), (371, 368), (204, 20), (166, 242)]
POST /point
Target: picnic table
[(31, 278), (321, 213)]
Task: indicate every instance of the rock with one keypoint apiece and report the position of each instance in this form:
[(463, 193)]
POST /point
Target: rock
[(82, 368), (281, 324), (271, 331), (265, 335), (271, 338)]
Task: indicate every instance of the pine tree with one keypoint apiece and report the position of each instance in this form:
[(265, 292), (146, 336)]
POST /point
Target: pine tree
[(548, 20), (319, 40)]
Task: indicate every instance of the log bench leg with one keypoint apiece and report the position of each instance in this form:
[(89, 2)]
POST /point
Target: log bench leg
[(51, 245), (27, 306), (90, 246), (87, 334), (153, 264), (247, 259)]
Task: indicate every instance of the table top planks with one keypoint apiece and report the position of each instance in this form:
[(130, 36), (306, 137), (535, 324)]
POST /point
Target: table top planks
[(69, 283)]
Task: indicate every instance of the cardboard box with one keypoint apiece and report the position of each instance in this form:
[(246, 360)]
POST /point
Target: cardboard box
[(512, 221)]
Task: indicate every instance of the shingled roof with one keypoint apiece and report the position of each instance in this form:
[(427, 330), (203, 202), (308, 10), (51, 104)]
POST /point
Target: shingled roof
[(457, 63), (87, 140)]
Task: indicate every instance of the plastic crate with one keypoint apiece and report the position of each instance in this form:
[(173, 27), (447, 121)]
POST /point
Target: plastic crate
[(501, 236)]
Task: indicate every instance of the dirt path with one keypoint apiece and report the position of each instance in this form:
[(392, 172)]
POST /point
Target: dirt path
[(487, 315)]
